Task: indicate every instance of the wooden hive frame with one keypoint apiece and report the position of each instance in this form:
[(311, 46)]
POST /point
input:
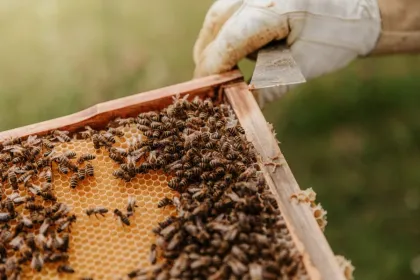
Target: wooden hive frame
[(317, 255)]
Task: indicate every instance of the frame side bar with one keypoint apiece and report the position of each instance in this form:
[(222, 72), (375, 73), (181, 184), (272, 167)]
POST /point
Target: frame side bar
[(317, 255)]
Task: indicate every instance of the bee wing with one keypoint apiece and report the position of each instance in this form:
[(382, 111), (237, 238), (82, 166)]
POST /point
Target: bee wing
[(34, 189), (59, 138), (16, 242), (13, 196), (131, 201)]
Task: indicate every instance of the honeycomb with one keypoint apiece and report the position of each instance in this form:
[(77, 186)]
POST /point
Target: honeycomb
[(101, 247)]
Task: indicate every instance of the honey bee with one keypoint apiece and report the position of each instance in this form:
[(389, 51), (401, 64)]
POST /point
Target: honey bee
[(203, 115), (121, 174), (106, 139), (12, 141), (153, 253), (175, 240), (131, 206), (81, 174), (89, 170), (137, 273), (123, 218), (12, 178), (26, 176), (37, 261), (97, 210), (211, 145), (63, 169), (162, 225), (169, 231), (18, 159), (156, 125), (48, 195), (121, 151), (143, 128), (64, 268), (200, 194), (202, 209), (144, 121), (124, 122), (5, 158), (131, 172), (196, 102), (96, 141), (48, 174), (175, 166), (156, 133), (64, 245), (219, 171), (33, 206), (169, 132), (116, 157), (116, 132), (44, 227), (61, 136), (70, 154), (3, 253), (26, 222), (57, 257), (109, 137), (206, 176), (87, 133), (10, 208), (174, 184), (165, 202), (179, 173), (36, 217), (74, 181), (43, 162), (47, 144), (34, 151), (66, 223), (247, 174), (16, 242), (63, 160), (85, 157)]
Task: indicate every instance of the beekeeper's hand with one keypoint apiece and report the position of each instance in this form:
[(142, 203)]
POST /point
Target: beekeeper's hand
[(324, 35)]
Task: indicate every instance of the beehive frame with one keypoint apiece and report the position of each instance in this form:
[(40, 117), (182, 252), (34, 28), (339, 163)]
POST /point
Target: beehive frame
[(317, 255)]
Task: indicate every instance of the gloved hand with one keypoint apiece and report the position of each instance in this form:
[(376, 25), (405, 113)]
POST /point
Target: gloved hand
[(324, 35)]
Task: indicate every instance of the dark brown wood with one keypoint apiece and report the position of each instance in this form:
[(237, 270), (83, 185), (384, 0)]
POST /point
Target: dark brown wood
[(100, 114), (318, 257)]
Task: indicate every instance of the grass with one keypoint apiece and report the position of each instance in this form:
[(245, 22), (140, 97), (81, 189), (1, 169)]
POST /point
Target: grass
[(353, 136)]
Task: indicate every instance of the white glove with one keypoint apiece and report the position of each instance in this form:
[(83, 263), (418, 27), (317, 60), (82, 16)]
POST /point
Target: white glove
[(324, 35)]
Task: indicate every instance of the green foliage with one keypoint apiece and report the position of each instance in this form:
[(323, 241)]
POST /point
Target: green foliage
[(354, 136), (355, 139)]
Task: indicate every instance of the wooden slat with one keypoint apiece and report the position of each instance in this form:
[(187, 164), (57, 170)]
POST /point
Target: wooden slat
[(318, 257), (100, 114)]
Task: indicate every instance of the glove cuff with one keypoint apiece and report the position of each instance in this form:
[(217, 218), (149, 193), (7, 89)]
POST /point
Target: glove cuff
[(400, 27)]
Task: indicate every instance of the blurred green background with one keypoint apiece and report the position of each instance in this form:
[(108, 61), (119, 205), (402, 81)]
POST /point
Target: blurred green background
[(354, 136)]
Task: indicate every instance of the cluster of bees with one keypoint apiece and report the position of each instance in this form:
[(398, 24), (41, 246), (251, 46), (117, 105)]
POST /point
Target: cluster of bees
[(228, 225), (34, 226)]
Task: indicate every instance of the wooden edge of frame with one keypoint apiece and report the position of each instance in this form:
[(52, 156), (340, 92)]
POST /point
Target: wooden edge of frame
[(100, 114), (318, 258)]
